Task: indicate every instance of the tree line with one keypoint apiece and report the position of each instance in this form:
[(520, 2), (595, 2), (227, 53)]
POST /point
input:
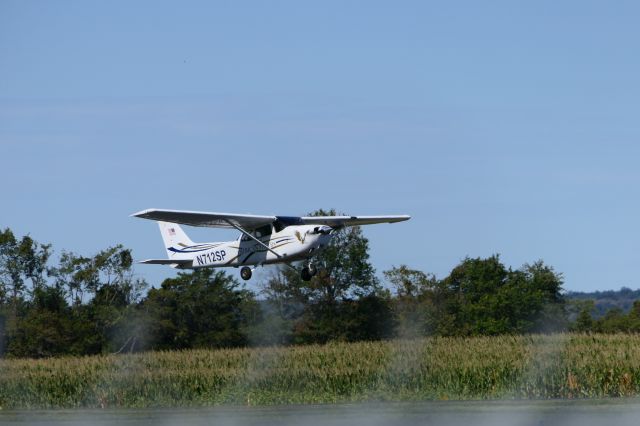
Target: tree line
[(89, 305), (604, 301), (614, 320)]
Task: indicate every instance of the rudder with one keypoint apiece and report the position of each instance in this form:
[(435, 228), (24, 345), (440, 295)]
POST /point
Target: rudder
[(175, 239)]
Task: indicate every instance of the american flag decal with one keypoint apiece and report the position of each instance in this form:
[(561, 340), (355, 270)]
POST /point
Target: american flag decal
[(172, 231)]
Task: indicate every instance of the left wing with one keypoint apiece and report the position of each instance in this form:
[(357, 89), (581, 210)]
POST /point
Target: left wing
[(250, 222), (208, 219), (338, 221)]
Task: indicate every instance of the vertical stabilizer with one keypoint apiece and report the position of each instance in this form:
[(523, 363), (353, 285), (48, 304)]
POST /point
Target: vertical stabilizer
[(175, 240)]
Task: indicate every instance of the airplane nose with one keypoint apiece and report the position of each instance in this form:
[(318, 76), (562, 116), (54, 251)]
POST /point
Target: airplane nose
[(324, 230)]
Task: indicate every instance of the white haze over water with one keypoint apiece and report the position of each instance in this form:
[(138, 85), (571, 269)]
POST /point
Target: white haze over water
[(449, 413)]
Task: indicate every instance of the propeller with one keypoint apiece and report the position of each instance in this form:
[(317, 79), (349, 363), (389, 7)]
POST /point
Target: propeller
[(324, 230)]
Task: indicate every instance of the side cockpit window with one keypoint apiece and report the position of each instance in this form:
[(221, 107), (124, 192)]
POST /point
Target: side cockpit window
[(261, 232)]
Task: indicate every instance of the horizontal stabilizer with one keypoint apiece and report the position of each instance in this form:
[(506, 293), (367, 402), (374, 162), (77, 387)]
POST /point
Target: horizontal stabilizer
[(180, 262)]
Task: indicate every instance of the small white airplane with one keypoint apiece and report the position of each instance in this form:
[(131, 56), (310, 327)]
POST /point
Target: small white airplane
[(263, 239)]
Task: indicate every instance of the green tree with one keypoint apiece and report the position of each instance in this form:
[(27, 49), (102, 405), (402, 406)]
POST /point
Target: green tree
[(476, 297), (284, 306), (86, 276), (102, 291), (614, 321), (634, 317), (345, 271), (584, 321), (21, 261), (315, 309), (546, 304), (76, 274), (45, 329), (483, 297), (414, 300), (370, 317), (202, 309)]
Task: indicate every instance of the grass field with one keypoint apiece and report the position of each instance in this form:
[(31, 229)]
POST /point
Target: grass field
[(507, 367)]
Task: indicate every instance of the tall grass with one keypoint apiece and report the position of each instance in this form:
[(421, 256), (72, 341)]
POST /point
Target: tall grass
[(537, 366)]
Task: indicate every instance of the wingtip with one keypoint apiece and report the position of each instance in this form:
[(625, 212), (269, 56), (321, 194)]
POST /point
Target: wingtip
[(141, 213)]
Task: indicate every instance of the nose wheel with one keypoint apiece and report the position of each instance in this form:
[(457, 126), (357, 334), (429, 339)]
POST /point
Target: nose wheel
[(245, 273), (308, 271)]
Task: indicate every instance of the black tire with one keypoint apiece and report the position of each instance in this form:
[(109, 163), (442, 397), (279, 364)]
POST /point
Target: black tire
[(245, 273), (305, 274)]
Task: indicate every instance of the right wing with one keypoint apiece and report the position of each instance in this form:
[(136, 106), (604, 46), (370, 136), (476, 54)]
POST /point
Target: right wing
[(339, 221)]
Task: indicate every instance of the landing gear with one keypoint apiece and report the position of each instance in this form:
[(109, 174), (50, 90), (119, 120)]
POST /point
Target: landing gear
[(305, 274), (308, 272), (313, 269), (245, 273)]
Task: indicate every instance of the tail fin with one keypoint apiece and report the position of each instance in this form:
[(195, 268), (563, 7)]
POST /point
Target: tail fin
[(175, 240)]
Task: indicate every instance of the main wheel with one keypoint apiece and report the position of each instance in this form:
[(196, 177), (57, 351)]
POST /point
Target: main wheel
[(305, 274), (313, 269), (245, 273)]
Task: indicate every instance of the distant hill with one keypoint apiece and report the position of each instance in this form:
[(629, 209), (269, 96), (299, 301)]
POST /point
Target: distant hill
[(605, 300)]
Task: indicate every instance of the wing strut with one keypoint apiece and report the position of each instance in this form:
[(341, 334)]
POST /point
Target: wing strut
[(253, 238)]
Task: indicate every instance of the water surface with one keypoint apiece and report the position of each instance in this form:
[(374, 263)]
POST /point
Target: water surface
[(448, 413)]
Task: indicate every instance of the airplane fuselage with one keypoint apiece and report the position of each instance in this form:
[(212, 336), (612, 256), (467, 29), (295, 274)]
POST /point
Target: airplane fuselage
[(289, 244), (264, 239)]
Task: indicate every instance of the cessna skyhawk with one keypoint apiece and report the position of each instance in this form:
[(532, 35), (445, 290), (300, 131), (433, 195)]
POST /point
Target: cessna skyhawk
[(263, 240)]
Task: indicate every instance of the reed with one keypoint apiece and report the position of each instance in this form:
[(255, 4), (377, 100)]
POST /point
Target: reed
[(438, 368)]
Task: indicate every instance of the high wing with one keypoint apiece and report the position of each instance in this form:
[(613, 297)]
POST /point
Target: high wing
[(245, 221), (207, 219), (339, 221)]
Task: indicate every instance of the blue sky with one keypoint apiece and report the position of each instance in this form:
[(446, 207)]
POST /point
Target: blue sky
[(501, 127)]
